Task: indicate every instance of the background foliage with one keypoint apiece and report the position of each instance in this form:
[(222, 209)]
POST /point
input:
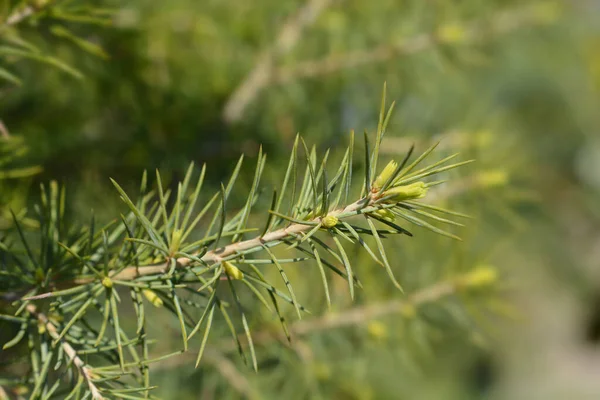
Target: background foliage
[(102, 89)]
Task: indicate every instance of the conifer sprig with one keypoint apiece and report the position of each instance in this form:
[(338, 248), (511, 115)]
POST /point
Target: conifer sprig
[(71, 276)]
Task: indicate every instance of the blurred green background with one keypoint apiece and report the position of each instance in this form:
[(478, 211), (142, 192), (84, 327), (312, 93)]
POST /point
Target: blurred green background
[(513, 84)]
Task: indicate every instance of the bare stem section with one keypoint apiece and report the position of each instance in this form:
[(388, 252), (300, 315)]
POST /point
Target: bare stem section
[(25, 12), (359, 315), (260, 76), (84, 370), (218, 255)]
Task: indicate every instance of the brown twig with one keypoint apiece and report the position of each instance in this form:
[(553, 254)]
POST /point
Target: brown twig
[(3, 394), (217, 256), (25, 12), (259, 77), (212, 257), (4, 131), (19, 15), (84, 370)]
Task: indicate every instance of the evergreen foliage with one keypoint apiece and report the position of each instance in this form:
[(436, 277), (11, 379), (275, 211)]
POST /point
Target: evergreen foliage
[(335, 269)]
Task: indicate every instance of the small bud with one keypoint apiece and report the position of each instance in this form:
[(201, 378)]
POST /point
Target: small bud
[(384, 175), (322, 371), (483, 138), (56, 319), (176, 240), (377, 330), (408, 311), (233, 271), (385, 214), (152, 297), (492, 178), (415, 190), (452, 33), (329, 221), (481, 276), (41, 328), (107, 282)]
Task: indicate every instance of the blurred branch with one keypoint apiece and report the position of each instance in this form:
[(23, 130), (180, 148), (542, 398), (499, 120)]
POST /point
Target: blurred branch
[(4, 131), (335, 63), (228, 370), (353, 316), (264, 74), (359, 315), (21, 14), (502, 23), (84, 371), (259, 77)]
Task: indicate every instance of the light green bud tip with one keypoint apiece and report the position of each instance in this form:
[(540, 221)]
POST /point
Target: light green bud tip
[(385, 175), (330, 221), (176, 240), (483, 275), (416, 190), (152, 297), (233, 271), (408, 311), (452, 33), (385, 214), (492, 178), (377, 330), (107, 282)]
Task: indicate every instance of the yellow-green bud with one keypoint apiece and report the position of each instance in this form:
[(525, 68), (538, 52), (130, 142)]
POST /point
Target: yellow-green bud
[(408, 311), (483, 138), (41, 327), (415, 190), (330, 221), (452, 33), (176, 240), (233, 271), (107, 282), (483, 275), (153, 297), (322, 371), (384, 175), (385, 214), (377, 330), (492, 178)]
